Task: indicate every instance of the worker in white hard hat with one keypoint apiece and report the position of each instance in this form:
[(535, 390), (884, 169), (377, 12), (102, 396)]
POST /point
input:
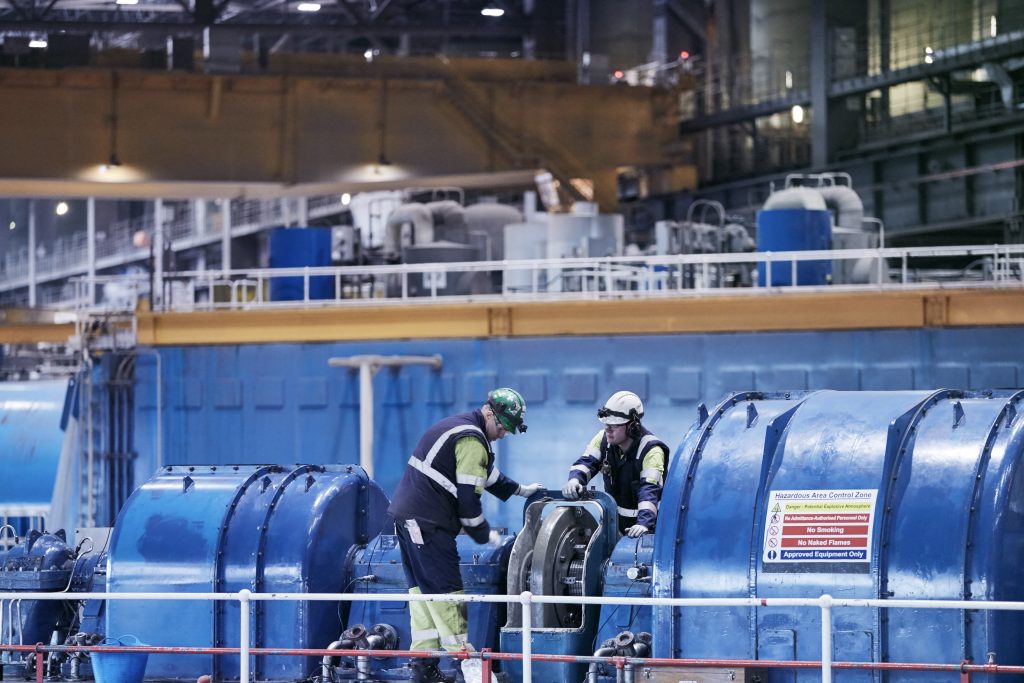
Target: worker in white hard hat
[(631, 459)]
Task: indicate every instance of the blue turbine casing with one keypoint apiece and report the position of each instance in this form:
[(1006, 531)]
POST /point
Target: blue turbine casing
[(482, 566), (795, 230), (946, 522), (216, 529)]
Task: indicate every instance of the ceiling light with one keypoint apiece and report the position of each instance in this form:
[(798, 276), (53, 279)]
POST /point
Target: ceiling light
[(492, 12), (346, 199), (62, 208), (126, 2), (797, 112), (37, 43), (13, 225), (308, 7)]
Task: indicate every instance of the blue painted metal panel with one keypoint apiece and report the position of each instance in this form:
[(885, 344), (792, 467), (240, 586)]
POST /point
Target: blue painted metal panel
[(210, 529), (681, 371), (30, 439), (635, 554), (795, 230)]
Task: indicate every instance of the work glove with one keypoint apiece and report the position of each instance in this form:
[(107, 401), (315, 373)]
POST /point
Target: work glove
[(527, 490), (636, 531), (573, 489)]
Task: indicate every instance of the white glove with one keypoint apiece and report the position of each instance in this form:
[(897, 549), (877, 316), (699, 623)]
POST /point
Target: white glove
[(494, 538), (637, 530), (572, 489), (527, 490)]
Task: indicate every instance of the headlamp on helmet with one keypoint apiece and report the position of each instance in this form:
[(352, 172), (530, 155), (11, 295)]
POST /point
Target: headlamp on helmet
[(509, 408)]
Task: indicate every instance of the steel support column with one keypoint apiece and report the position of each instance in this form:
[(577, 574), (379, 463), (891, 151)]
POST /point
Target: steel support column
[(90, 249), (820, 63), (32, 253)]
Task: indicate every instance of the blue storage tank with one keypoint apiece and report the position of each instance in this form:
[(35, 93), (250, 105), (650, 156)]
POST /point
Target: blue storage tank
[(212, 529), (914, 495), (795, 219), (377, 568), (296, 248)]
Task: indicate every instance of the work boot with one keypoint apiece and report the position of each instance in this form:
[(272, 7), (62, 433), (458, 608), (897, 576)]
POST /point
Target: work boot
[(424, 670)]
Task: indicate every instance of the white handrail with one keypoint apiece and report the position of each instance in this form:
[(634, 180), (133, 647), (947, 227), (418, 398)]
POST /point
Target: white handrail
[(592, 278), (825, 604)]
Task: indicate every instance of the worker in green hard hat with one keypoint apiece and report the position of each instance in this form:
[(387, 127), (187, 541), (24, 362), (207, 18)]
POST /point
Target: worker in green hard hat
[(438, 496)]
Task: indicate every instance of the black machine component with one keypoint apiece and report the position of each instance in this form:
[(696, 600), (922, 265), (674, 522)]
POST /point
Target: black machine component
[(625, 644), (44, 562), (558, 561), (358, 637)]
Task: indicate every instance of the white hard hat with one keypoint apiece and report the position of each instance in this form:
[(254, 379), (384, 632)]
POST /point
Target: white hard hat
[(621, 408)]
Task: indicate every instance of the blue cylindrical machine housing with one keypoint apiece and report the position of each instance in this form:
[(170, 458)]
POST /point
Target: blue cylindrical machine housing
[(295, 248), (913, 494), (215, 529), (32, 415), (795, 230)]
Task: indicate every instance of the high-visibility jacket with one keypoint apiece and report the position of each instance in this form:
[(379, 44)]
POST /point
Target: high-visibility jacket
[(437, 492), (634, 477)]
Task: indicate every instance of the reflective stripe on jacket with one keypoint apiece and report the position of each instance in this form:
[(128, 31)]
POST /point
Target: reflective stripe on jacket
[(436, 490), (633, 478)]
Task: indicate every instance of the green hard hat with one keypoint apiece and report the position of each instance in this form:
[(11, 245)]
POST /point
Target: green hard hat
[(509, 407)]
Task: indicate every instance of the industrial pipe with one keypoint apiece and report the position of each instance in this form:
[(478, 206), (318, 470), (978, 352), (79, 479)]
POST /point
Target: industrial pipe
[(592, 670), (327, 663)]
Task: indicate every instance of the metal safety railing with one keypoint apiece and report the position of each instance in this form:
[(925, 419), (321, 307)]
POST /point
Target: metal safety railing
[(825, 604), (619, 277)]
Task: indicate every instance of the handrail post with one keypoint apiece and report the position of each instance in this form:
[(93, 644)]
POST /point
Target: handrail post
[(526, 597), (243, 635), (826, 638)]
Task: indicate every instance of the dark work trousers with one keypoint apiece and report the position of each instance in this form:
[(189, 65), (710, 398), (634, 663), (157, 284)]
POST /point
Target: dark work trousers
[(431, 563)]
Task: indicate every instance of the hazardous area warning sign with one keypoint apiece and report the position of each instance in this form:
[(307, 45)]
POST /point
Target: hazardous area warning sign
[(831, 525)]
